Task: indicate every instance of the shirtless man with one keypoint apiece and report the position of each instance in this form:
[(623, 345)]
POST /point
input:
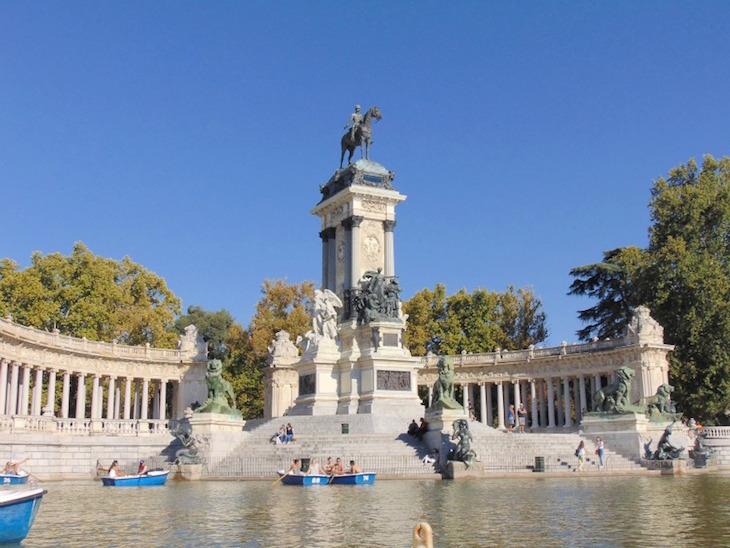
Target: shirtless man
[(338, 469), (354, 468), (355, 120)]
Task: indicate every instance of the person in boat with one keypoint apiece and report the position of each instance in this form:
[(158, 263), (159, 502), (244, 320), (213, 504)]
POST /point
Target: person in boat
[(314, 467), (355, 468), (338, 469), (114, 471), (142, 470), (328, 466), (296, 468), (13, 467)]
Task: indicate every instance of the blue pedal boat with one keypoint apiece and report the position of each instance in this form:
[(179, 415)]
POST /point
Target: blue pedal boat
[(153, 477), (354, 479), (14, 479), (17, 512), (298, 479)]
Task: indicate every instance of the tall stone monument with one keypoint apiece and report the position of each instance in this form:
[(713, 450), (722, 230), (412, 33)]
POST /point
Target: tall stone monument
[(354, 358)]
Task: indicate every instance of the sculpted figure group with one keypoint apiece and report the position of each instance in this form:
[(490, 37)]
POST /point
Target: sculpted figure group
[(379, 298)]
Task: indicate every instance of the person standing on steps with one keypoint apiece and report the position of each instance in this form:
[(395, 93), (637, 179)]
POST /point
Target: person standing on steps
[(521, 418), (580, 452), (599, 452)]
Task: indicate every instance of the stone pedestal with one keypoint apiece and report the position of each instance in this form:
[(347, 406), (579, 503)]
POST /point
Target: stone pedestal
[(439, 432), (317, 380), (189, 472), (622, 432), (455, 469), (206, 423)]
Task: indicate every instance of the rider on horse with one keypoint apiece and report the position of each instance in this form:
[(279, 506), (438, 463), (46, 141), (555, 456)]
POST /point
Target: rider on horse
[(355, 120)]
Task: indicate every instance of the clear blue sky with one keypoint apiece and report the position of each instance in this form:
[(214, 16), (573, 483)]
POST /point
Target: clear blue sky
[(193, 136)]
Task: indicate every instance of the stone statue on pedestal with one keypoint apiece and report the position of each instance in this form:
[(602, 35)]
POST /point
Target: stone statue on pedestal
[(664, 449), (614, 398), (379, 298), (324, 321), (191, 442), (281, 347), (221, 398), (463, 451), (443, 390)]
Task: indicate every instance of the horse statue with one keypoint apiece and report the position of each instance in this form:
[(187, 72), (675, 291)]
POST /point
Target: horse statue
[(363, 135)]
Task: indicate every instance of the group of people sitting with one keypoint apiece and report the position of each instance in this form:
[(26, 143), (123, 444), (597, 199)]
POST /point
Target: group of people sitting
[(418, 430), (12, 468), (115, 472), (284, 435), (328, 469)]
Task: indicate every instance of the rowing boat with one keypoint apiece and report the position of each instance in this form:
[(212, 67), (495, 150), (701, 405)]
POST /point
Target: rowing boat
[(153, 477)]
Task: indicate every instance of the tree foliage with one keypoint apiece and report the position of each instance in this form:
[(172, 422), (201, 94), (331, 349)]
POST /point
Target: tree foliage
[(683, 277), (85, 295), (473, 322)]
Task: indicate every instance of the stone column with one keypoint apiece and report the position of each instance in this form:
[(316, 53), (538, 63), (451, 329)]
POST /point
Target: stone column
[(110, 397), (550, 403), (14, 373), (51, 395), (127, 398), (118, 402), (490, 416), (465, 396), (389, 269), (559, 402), (347, 227), (583, 400), (325, 257), (506, 399), (65, 392), (482, 403), (355, 248), (35, 408), (145, 399), (25, 396), (3, 385), (516, 388), (566, 398), (95, 407), (332, 259), (155, 399), (163, 400), (137, 398), (543, 404), (430, 396), (523, 393), (81, 396), (500, 405), (533, 397), (597, 383)]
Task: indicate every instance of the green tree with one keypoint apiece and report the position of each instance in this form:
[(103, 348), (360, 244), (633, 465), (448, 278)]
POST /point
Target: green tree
[(473, 322), (615, 283), (684, 278), (84, 295), (214, 327)]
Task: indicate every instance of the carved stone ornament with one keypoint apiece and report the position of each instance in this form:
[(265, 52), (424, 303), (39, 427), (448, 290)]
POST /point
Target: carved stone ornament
[(282, 347)]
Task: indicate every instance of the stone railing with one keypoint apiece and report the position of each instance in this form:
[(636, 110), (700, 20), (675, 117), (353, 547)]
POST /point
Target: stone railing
[(717, 432), (72, 344), (84, 427)]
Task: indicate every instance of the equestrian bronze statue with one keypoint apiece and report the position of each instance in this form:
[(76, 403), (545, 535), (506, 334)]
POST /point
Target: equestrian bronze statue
[(360, 134)]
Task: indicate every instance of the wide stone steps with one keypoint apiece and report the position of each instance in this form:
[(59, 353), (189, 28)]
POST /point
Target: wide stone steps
[(379, 444)]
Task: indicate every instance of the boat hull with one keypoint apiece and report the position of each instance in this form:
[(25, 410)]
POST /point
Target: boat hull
[(149, 479), (13, 479), (295, 479), (354, 479), (18, 510)]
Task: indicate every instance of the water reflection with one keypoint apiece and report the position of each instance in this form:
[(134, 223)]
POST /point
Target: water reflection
[(580, 511)]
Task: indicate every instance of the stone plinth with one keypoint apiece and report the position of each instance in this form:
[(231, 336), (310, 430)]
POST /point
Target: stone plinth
[(455, 469), (189, 472), (205, 423), (317, 380), (440, 429)]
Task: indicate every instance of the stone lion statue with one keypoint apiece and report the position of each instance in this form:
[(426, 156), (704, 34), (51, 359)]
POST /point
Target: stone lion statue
[(614, 398), (661, 402), (443, 390), (221, 398)]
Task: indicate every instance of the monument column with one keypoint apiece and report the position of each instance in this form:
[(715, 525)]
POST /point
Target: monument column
[(500, 405), (347, 226), (14, 373), (332, 258), (430, 395), (550, 403), (95, 407), (25, 396), (566, 398), (465, 396), (65, 391), (583, 400), (127, 398), (533, 397), (145, 399), (3, 384), (389, 269), (490, 417), (37, 393), (356, 221), (111, 396), (482, 403), (506, 399), (80, 396), (118, 401), (559, 401), (163, 399), (51, 395), (516, 387), (325, 257)]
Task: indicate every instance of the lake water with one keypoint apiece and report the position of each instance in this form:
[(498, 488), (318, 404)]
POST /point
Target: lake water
[(573, 511)]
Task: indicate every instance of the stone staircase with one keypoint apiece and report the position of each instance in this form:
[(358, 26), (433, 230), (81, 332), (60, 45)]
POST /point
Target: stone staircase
[(379, 444)]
